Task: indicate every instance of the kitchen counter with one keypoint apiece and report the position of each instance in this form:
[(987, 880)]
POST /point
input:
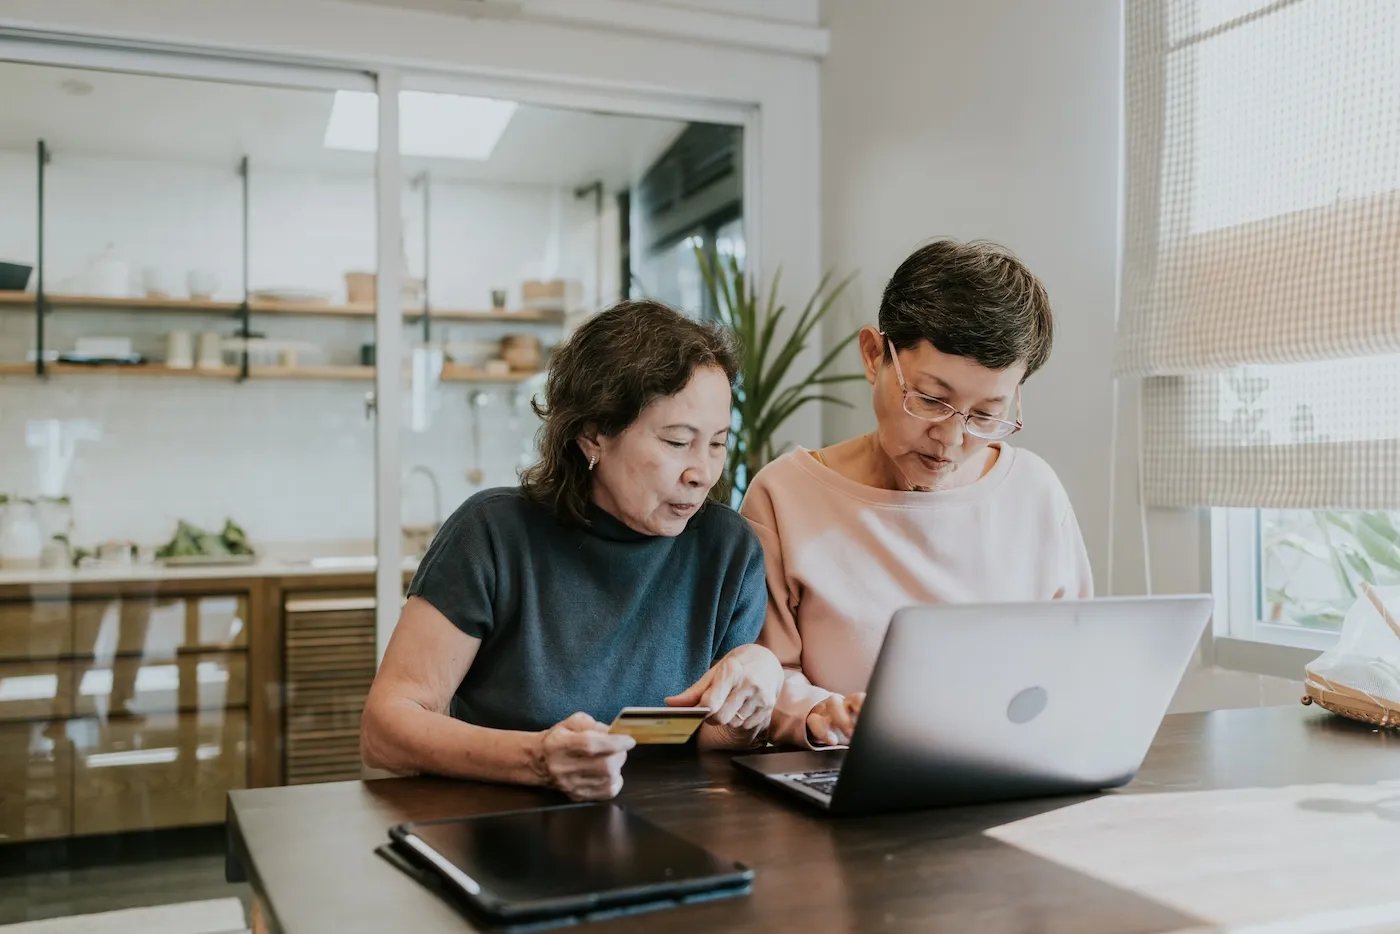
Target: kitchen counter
[(264, 567)]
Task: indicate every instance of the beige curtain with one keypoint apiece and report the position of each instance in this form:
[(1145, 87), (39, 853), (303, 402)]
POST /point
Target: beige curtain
[(1261, 289)]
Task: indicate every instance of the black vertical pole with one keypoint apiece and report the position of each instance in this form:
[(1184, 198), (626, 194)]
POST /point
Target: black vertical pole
[(624, 216), (427, 255), (39, 300), (244, 311)]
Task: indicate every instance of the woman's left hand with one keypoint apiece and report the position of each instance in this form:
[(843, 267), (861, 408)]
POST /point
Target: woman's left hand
[(740, 690)]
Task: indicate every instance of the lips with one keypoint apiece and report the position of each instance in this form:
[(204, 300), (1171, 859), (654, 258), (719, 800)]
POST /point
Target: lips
[(934, 463), (684, 507)]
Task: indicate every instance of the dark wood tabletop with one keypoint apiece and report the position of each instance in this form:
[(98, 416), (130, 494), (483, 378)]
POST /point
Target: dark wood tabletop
[(308, 851)]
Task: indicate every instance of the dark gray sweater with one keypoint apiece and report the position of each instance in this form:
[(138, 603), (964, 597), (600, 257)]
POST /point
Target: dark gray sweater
[(590, 619)]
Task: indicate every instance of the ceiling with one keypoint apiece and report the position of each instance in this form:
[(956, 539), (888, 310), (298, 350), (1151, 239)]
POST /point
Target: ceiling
[(144, 117)]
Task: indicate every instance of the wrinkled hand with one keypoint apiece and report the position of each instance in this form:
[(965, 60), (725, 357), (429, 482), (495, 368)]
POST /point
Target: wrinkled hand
[(582, 759), (833, 721), (740, 689)]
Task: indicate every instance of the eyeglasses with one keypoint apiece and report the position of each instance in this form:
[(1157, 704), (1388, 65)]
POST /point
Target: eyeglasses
[(928, 409)]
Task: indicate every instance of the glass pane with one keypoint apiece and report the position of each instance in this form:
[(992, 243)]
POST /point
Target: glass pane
[(1314, 562), (517, 226), (195, 462), (688, 199)]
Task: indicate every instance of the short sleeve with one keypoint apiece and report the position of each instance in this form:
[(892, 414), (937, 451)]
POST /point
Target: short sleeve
[(458, 573), (747, 620)]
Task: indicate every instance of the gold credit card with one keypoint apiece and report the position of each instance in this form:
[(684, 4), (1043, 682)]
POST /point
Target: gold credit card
[(659, 724)]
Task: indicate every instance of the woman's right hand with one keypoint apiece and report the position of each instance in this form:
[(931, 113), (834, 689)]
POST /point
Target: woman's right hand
[(582, 759), (833, 721)]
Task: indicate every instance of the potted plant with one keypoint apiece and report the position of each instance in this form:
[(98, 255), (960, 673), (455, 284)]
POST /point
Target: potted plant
[(768, 393)]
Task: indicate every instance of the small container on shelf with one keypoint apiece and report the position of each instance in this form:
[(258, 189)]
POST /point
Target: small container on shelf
[(361, 287), (522, 352), (553, 296)]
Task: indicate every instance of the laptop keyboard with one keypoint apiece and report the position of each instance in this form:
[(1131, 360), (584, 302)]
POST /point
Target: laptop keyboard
[(823, 781)]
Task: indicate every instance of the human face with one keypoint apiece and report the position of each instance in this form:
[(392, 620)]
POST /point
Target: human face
[(657, 472), (927, 454)]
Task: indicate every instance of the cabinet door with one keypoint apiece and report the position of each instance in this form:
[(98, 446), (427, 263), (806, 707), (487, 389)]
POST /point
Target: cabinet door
[(166, 770), (158, 626), (36, 782), (120, 686), (35, 690), (330, 659), (35, 629)]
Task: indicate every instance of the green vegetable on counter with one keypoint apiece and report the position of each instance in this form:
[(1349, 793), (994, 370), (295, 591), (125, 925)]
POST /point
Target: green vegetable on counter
[(191, 541)]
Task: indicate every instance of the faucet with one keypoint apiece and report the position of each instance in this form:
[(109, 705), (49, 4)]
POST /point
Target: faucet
[(437, 493)]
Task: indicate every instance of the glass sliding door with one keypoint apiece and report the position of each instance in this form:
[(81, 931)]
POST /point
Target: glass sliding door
[(519, 221), (187, 500)]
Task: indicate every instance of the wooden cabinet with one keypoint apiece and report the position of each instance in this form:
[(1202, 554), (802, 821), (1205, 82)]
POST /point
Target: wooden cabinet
[(153, 626), (123, 710), (166, 770), (132, 705), (143, 686), (330, 661), (35, 689), (36, 781), (39, 629)]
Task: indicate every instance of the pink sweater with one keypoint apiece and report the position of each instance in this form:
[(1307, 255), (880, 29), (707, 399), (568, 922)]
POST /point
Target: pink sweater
[(842, 557)]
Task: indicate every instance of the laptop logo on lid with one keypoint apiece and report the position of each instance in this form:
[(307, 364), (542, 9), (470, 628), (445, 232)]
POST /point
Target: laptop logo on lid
[(1027, 705)]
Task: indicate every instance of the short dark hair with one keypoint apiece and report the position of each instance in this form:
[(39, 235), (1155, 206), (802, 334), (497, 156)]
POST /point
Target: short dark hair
[(970, 300), (614, 366)]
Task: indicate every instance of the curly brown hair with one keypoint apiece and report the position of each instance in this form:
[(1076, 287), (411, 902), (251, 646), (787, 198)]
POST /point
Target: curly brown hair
[(602, 377)]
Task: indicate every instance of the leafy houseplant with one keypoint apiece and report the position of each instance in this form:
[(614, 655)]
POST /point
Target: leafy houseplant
[(765, 397), (1353, 546)]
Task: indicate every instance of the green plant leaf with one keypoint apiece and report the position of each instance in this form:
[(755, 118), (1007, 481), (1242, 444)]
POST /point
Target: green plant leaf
[(1306, 546), (1341, 520), (773, 420), (1381, 525), (1339, 568), (1358, 563), (1327, 619), (1377, 548)]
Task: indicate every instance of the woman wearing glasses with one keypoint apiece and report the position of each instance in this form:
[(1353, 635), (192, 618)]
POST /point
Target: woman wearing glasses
[(933, 505)]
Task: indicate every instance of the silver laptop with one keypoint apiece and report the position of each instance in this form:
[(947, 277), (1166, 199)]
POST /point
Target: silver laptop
[(972, 703)]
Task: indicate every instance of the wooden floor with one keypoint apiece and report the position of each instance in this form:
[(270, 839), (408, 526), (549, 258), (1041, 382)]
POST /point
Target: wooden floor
[(50, 880)]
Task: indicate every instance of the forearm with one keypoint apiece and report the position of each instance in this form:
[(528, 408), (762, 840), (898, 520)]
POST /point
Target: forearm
[(400, 735)]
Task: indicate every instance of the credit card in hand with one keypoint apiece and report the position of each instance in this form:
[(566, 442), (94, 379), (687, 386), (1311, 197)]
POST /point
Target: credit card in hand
[(659, 724)]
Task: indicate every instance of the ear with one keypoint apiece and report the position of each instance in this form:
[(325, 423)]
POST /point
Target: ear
[(872, 352), (588, 443)]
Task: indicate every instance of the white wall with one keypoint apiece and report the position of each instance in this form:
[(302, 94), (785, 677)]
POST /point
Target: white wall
[(1000, 119), (290, 461)]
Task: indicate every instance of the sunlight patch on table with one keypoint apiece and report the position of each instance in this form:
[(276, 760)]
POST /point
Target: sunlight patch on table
[(1319, 857)]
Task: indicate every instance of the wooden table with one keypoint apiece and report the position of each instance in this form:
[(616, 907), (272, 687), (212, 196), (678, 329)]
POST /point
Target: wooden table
[(308, 851)]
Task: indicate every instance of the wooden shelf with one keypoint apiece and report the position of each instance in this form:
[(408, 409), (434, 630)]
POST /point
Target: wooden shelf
[(451, 373), (25, 301), (310, 372)]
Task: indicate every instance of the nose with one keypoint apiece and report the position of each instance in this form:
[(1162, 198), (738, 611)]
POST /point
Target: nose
[(699, 474), (949, 432)]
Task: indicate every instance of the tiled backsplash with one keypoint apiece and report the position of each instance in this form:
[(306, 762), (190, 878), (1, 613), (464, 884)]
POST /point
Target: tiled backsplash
[(287, 461)]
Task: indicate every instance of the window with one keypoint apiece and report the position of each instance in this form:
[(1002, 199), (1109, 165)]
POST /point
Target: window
[(1260, 273), (1288, 576)]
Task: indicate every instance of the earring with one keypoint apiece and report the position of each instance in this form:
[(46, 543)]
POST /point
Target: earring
[(592, 461)]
